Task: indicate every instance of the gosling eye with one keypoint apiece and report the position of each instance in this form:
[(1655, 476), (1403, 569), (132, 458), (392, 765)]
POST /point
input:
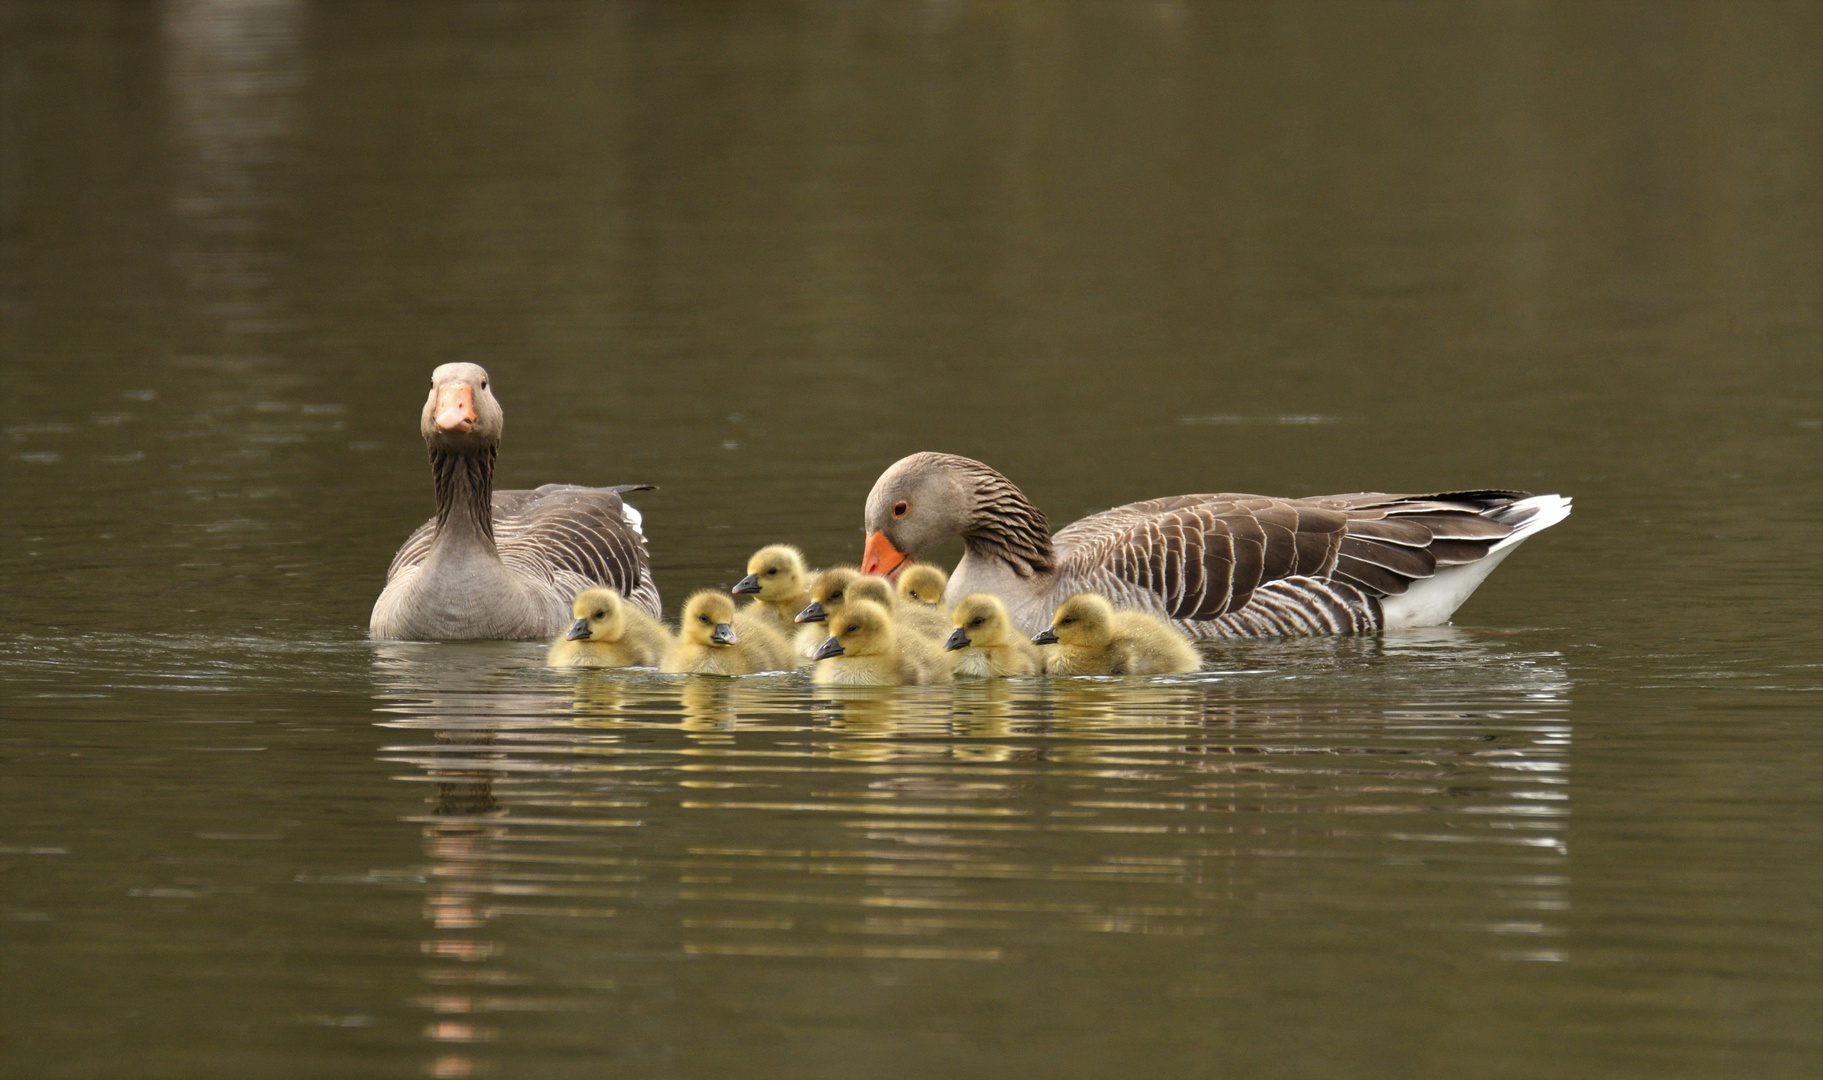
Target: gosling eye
[(599, 614), (977, 622), (899, 509), (702, 618), (1068, 621), (771, 572), (835, 598)]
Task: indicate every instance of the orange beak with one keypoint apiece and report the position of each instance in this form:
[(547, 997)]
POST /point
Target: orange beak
[(880, 557), (456, 408)]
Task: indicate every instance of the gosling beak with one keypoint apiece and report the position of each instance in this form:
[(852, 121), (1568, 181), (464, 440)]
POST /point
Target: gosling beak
[(750, 583), (957, 640), (456, 408), (880, 557), (813, 613), (1047, 636), (724, 635), (578, 630), (830, 647)]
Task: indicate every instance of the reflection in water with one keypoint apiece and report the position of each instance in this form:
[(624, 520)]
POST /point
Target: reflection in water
[(725, 819)]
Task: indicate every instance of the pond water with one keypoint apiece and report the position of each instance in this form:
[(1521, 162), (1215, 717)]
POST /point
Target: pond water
[(753, 254)]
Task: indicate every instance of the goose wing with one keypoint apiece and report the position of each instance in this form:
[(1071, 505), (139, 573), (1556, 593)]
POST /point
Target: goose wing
[(1197, 558), (574, 537), (577, 537)]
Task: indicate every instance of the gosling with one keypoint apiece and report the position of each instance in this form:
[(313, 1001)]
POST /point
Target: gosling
[(985, 645), (609, 633), (1094, 639), (779, 582), (923, 583), (864, 649), (715, 639), (828, 593)]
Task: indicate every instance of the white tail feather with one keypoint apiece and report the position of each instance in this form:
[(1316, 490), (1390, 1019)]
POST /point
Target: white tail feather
[(1431, 601)]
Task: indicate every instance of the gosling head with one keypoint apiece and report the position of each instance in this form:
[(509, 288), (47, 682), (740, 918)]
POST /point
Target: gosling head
[(922, 583), (863, 628), (981, 620), (600, 616), (461, 415), (828, 594), (776, 572), (709, 619), (874, 590), (1085, 620)]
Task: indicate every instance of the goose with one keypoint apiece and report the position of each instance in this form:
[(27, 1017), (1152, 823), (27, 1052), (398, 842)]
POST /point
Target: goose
[(1091, 638), (1218, 566), (608, 632), (923, 583), (715, 639), (503, 564), (864, 649), (984, 644)]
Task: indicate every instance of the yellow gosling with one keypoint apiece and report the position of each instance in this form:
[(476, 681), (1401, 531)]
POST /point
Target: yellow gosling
[(864, 649), (827, 593), (1094, 639), (715, 639), (608, 632), (985, 645), (914, 620), (779, 582), (923, 583)]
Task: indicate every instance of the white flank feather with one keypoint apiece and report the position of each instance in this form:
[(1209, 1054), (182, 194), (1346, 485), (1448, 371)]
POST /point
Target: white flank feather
[(1431, 601)]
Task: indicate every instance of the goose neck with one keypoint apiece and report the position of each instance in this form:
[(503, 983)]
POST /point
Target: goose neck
[(465, 497)]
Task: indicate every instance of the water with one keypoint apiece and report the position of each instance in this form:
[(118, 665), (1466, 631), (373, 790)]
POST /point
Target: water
[(754, 254)]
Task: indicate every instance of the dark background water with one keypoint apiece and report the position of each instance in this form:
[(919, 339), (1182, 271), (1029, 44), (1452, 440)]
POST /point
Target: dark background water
[(754, 253)]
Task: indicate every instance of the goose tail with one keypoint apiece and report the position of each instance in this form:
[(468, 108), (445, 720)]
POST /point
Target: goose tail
[(1431, 601)]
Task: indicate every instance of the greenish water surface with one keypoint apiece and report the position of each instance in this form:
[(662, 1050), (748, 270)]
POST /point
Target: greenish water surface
[(753, 253)]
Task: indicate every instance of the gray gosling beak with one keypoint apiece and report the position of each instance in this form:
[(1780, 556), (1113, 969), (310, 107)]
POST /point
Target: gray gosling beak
[(957, 640), (1047, 636), (748, 584), (578, 630), (813, 613), (830, 647), (724, 635)]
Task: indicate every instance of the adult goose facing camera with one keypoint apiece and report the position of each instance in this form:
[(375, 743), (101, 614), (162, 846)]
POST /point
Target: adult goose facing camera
[(1218, 566), (503, 564)]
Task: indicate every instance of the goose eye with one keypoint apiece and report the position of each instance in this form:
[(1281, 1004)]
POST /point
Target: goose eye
[(899, 509), (484, 384)]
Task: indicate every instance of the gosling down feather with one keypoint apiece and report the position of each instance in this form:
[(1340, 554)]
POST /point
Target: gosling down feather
[(1217, 566), (503, 564), (609, 632), (984, 644), (715, 639), (779, 583), (1091, 638), (865, 649)]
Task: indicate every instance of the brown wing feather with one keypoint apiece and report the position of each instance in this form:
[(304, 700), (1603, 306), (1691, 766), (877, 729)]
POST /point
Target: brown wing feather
[(1204, 556)]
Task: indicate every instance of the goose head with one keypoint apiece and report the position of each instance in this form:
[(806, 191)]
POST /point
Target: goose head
[(862, 629), (981, 620), (828, 594), (916, 505), (708, 619), (1084, 621), (600, 616), (776, 572), (461, 415), (922, 583)]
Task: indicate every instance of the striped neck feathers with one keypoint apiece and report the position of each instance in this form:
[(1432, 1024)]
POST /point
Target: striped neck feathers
[(465, 491), (1004, 525)]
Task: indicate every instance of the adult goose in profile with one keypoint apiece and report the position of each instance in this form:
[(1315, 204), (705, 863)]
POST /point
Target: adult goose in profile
[(1219, 566), (503, 564)]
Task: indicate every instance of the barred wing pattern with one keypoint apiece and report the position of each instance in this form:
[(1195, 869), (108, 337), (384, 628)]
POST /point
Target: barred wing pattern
[(562, 538), (1248, 565)]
